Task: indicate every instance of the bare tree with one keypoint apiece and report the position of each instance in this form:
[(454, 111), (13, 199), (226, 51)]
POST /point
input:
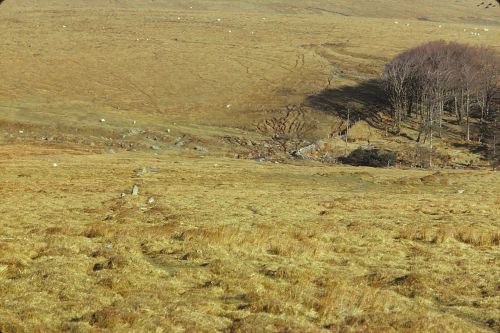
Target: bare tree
[(438, 78)]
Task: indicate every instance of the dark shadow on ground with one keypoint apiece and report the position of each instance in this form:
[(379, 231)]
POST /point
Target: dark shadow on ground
[(364, 101), (476, 148)]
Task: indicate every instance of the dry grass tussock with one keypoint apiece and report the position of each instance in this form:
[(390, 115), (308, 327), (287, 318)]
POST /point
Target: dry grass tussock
[(240, 246)]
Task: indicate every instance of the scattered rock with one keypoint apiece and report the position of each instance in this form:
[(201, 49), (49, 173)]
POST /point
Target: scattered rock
[(122, 195), (254, 210), (139, 172), (307, 152), (103, 120), (460, 191), (151, 200), (201, 149), (154, 147), (179, 142), (135, 190), (144, 170)]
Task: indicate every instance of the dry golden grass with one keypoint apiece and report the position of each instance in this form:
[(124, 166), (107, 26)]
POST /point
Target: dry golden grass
[(241, 246), (229, 245)]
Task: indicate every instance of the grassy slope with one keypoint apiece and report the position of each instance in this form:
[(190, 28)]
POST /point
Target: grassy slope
[(305, 248), (229, 245)]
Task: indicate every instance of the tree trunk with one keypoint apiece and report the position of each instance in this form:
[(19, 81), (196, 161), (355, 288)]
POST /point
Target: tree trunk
[(457, 112), (430, 142), (467, 110)]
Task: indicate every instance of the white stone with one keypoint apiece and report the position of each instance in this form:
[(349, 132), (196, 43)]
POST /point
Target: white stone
[(135, 190)]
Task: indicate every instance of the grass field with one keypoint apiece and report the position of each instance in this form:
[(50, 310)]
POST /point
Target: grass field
[(212, 242)]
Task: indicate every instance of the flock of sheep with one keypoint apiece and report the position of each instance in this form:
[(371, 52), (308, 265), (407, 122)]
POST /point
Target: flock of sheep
[(476, 31)]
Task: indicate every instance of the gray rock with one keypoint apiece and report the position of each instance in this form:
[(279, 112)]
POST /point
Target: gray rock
[(139, 172), (201, 149), (135, 190), (154, 147), (151, 200), (307, 150)]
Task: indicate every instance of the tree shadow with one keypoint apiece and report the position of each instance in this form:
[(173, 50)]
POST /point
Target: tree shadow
[(364, 101)]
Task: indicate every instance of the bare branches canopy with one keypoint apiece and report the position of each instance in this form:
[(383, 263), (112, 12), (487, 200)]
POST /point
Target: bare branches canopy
[(439, 79)]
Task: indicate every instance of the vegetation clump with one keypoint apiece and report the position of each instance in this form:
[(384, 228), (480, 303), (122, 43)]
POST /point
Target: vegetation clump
[(372, 157)]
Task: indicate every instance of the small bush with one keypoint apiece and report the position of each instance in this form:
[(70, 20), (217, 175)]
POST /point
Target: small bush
[(370, 157)]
